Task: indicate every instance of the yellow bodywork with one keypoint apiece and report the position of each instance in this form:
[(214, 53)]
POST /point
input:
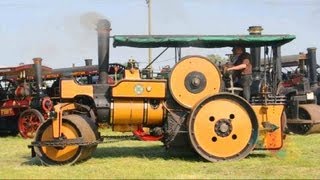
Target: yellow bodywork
[(57, 121), (140, 88), (130, 108), (132, 102), (272, 114), (128, 114), (69, 89), (132, 73)]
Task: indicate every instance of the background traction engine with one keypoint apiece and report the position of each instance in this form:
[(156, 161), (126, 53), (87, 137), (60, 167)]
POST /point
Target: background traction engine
[(39, 105), (303, 94), (190, 107), (12, 103), (24, 108)]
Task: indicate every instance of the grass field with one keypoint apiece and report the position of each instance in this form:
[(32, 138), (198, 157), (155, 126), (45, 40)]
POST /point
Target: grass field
[(135, 159)]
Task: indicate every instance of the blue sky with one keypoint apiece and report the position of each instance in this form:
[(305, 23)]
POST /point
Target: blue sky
[(62, 32)]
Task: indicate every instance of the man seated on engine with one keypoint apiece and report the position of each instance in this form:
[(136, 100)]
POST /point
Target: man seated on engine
[(242, 67)]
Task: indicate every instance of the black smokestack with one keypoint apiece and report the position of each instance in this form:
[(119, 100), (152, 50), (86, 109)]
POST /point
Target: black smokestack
[(38, 73), (255, 52), (88, 62), (103, 28), (302, 63), (312, 63)]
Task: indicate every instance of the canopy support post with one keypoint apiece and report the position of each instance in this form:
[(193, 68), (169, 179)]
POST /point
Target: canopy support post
[(276, 68)]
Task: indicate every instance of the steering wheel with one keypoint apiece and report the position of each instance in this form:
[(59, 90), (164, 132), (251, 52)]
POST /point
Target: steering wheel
[(116, 67)]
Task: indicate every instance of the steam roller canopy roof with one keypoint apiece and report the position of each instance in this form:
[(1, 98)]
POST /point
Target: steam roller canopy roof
[(201, 41)]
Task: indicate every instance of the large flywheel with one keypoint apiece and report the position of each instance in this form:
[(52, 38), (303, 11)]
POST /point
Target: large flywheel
[(223, 127), (192, 79), (60, 151), (310, 113)]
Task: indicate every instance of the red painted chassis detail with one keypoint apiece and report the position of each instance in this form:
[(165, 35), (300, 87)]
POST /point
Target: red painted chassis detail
[(143, 136)]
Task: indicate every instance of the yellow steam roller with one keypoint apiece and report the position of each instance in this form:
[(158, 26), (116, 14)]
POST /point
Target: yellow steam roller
[(191, 108)]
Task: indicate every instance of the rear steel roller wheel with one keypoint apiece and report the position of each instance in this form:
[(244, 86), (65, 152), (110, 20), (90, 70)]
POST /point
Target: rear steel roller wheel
[(73, 126), (306, 112), (223, 127), (28, 122)]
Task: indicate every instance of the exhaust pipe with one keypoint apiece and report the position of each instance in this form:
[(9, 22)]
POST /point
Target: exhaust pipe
[(103, 29), (255, 52), (88, 62), (38, 74), (312, 63)]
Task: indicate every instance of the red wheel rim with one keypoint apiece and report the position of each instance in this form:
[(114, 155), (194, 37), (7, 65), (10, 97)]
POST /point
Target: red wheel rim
[(29, 121)]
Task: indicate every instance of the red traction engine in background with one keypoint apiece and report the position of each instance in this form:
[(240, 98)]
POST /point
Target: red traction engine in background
[(23, 103)]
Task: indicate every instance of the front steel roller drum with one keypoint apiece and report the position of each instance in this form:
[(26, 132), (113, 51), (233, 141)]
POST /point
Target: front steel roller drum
[(223, 127), (192, 79), (308, 112), (73, 126)]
